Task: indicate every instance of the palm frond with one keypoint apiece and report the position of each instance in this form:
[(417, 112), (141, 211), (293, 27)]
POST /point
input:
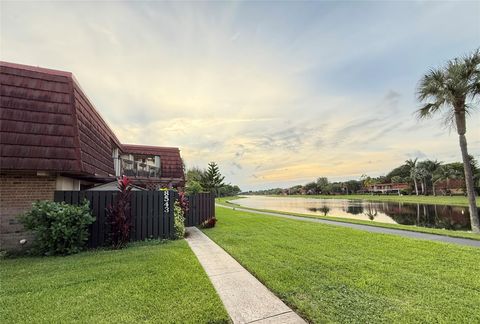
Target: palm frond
[(449, 120), (451, 85), (431, 85), (429, 109)]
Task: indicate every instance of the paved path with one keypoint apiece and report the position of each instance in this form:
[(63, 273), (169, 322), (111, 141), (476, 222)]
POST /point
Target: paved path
[(244, 297), (373, 229)]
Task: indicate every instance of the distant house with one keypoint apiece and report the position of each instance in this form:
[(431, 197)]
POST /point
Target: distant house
[(450, 187), (53, 138), (387, 188)]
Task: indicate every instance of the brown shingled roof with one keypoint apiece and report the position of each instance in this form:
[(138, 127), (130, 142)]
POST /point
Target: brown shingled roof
[(47, 123)]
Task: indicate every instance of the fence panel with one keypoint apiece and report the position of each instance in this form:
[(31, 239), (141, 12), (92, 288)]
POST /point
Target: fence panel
[(150, 219), (152, 212), (201, 208)]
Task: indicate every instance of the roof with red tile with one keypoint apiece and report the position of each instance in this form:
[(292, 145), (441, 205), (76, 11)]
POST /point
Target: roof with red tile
[(47, 123)]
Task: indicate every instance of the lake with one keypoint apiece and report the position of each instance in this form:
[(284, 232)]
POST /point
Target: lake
[(434, 216)]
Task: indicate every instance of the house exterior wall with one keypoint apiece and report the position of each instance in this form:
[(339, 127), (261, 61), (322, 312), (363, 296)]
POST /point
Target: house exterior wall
[(65, 183), (18, 190)]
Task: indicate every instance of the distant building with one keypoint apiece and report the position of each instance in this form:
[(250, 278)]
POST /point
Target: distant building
[(450, 187), (387, 188)]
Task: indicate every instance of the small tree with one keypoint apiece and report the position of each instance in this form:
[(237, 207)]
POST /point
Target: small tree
[(212, 179), (119, 217), (323, 185)]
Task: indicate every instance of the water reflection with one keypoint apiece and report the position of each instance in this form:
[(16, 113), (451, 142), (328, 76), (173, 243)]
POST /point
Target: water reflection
[(435, 216), (324, 210), (370, 211)]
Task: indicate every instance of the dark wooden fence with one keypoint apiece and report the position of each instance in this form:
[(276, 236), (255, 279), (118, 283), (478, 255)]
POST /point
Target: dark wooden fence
[(151, 212), (201, 208)]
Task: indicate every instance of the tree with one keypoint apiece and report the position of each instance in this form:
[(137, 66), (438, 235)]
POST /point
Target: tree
[(352, 186), (454, 87), (425, 171), (396, 179), (367, 181), (311, 188), (323, 185), (212, 179), (413, 172), (402, 172), (446, 172), (195, 174), (193, 181), (228, 190)]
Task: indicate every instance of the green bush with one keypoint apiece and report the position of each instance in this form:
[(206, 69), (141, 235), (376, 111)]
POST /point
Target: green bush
[(179, 221), (59, 228)]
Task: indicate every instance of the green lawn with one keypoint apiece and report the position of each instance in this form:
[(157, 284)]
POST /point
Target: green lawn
[(335, 274), (433, 200), (461, 234), (161, 283)]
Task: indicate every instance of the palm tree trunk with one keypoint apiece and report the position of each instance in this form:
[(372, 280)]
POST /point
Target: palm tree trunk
[(416, 186), (461, 129)]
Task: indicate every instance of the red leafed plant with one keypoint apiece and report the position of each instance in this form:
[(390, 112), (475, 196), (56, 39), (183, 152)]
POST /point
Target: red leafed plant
[(209, 223), (183, 201), (118, 215)]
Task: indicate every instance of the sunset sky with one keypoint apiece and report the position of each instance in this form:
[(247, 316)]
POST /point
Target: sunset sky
[(276, 93)]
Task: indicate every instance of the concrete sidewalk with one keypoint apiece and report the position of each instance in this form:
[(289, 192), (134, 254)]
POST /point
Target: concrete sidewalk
[(373, 229), (245, 298)]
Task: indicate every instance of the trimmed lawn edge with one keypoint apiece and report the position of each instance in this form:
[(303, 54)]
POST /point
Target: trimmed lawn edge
[(436, 231)]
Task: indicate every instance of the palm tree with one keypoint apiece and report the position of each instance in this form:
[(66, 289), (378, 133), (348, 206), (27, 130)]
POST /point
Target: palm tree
[(454, 87), (426, 169), (413, 172)]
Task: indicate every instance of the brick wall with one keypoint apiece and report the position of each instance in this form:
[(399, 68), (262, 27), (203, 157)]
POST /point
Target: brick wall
[(17, 193)]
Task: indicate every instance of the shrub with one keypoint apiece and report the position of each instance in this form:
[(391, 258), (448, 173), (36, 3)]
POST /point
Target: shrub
[(209, 223), (179, 221), (184, 204), (59, 228), (118, 216)]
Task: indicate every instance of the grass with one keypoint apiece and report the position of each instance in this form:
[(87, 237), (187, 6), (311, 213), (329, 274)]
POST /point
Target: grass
[(161, 283), (412, 199), (334, 274), (438, 231)]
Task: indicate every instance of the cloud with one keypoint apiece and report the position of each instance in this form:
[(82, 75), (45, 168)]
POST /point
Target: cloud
[(275, 96)]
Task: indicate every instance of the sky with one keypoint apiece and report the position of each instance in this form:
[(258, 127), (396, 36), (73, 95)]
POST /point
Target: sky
[(277, 93)]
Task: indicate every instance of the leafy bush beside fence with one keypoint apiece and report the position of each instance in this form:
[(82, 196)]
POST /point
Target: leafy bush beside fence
[(179, 221), (59, 228)]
